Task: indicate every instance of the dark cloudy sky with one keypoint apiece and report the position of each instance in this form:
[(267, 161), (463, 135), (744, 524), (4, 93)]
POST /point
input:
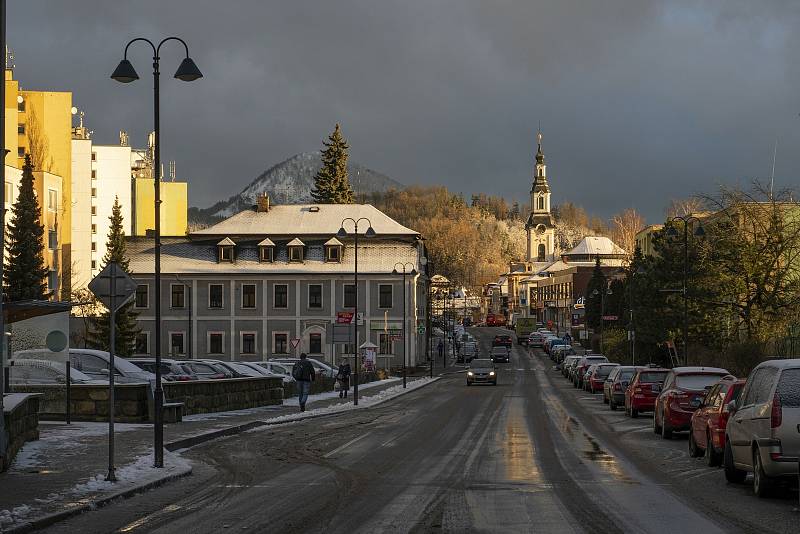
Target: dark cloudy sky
[(639, 101)]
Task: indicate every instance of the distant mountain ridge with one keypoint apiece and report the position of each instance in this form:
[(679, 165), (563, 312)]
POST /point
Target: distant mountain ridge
[(290, 182)]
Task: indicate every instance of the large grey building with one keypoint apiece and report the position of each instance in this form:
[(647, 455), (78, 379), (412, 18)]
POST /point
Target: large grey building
[(251, 285)]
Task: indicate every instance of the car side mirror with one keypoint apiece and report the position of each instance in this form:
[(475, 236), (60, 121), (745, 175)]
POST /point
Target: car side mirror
[(696, 403), (104, 371), (732, 406)]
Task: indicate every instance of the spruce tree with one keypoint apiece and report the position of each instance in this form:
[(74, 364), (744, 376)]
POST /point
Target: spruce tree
[(26, 273), (126, 325), (331, 183)]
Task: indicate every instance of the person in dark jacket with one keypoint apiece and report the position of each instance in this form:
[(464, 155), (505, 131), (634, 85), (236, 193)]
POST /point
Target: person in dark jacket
[(303, 373), (343, 376)]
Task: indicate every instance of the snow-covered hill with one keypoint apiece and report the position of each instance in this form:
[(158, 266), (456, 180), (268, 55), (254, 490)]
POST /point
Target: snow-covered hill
[(290, 182)]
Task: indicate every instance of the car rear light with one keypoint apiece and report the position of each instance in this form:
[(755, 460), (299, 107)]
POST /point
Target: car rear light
[(775, 456), (637, 390), (777, 412), (617, 387)]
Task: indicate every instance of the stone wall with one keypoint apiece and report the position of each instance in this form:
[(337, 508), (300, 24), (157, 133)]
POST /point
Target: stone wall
[(21, 424), (207, 396), (89, 402)]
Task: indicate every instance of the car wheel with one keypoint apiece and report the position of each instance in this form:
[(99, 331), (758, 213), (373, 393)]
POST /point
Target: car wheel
[(762, 484), (732, 473), (666, 431), (712, 457), (694, 450), (656, 428)]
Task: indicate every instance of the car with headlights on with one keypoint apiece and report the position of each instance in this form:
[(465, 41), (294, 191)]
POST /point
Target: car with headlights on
[(481, 371)]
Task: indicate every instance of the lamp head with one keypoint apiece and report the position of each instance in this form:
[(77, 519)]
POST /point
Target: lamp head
[(699, 231), (342, 232), (188, 71), (370, 232), (672, 231), (413, 272), (125, 73), (394, 271)]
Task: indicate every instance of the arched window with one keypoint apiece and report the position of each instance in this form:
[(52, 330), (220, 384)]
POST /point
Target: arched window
[(541, 203), (541, 253)]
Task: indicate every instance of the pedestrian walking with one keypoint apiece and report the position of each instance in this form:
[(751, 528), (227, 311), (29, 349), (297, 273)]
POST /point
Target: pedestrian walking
[(440, 348), (343, 376), (303, 373)]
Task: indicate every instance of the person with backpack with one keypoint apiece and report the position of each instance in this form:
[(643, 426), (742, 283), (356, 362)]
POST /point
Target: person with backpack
[(303, 373), (343, 376)]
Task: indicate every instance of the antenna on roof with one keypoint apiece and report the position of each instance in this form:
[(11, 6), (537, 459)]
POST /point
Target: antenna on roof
[(772, 176)]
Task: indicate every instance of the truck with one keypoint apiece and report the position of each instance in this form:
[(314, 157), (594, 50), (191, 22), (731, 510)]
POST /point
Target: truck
[(524, 326)]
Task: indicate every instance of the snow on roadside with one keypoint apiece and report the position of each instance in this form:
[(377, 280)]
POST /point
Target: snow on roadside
[(139, 471), (363, 402), (292, 401)]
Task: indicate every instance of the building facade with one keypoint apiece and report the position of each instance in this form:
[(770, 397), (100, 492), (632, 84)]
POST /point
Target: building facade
[(255, 285)]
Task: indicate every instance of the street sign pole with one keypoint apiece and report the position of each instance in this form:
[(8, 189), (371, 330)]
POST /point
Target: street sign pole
[(112, 320)]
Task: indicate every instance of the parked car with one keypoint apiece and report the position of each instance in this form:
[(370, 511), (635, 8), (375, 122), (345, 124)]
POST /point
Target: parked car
[(684, 389), (559, 352), (566, 365), (204, 370), (500, 353), (261, 370), (551, 342), (641, 394), (236, 369), (535, 339), (482, 370), (503, 340), (29, 371), (95, 364), (598, 376), (579, 370), (707, 437), (171, 370), (277, 368), (615, 385), (320, 368), (762, 433)]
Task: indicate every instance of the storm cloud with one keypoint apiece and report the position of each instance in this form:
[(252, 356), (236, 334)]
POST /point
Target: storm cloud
[(639, 102)]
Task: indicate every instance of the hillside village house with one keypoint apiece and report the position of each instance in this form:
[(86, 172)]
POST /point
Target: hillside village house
[(245, 288)]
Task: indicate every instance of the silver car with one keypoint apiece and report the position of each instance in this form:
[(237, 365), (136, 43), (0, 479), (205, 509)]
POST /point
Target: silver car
[(763, 432)]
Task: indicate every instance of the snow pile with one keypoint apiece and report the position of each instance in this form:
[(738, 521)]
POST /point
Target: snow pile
[(293, 401), (8, 517), (363, 402), (138, 471)]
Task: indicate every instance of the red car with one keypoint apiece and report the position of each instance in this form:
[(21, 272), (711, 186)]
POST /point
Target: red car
[(503, 340), (643, 390), (707, 437), (683, 390), (598, 376)]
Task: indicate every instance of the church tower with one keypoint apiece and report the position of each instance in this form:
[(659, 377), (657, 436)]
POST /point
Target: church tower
[(540, 227)]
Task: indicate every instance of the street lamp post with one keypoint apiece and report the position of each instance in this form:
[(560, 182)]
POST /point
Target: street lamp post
[(698, 232), (602, 312), (125, 73), (342, 233), (412, 272)]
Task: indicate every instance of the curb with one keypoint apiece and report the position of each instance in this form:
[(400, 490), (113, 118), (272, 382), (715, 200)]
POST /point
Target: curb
[(55, 517), (184, 443)]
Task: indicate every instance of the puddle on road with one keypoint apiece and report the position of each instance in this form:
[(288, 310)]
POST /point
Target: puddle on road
[(605, 461)]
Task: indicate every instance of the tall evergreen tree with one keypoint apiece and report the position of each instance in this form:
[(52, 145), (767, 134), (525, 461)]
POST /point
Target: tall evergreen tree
[(26, 273), (331, 183), (126, 325)]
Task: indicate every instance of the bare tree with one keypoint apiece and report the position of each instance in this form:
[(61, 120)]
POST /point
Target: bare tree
[(38, 145), (684, 207), (625, 225)]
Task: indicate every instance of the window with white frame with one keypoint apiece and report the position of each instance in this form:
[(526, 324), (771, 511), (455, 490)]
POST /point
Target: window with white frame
[(142, 343), (315, 343), (295, 253), (177, 296), (315, 296), (248, 296), (215, 343), (280, 343), (333, 253), (52, 200), (349, 295), (247, 342), (141, 298), (177, 343), (215, 298), (266, 254), (385, 344), (52, 239), (281, 296), (384, 295)]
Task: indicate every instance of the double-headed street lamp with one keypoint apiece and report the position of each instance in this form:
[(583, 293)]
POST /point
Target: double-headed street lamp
[(125, 73), (412, 272), (342, 233), (602, 294), (673, 232)]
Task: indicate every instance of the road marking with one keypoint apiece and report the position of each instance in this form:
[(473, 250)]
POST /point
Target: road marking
[(338, 449)]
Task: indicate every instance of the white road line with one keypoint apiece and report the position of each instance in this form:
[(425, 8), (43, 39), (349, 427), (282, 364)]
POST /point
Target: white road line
[(338, 449)]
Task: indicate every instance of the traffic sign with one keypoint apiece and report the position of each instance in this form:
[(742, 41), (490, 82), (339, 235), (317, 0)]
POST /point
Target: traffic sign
[(113, 276), (295, 342), (344, 317), (421, 329)]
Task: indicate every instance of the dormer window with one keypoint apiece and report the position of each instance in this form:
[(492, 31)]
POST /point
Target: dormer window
[(225, 250), (266, 251), (333, 250), (296, 249)]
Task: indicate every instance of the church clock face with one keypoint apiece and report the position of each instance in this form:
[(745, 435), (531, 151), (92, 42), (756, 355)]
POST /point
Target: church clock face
[(540, 229)]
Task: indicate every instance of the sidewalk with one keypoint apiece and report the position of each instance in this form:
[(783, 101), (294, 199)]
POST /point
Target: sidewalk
[(63, 473)]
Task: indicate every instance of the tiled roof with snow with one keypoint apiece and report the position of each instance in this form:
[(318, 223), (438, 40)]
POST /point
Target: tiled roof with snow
[(595, 245), (305, 219)]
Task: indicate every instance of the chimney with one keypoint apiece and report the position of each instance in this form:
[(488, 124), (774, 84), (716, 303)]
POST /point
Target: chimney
[(262, 203)]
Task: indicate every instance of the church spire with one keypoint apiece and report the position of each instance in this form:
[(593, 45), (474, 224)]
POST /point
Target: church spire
[(539, 153)]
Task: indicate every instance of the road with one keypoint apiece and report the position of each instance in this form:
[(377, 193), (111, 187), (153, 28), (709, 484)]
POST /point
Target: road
[(529, 455)]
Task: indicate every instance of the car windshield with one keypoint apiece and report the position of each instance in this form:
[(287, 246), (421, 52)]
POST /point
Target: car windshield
[(789, 388), (479, 364), (649, 377), (626, 374), (603, 371), (698, 381)]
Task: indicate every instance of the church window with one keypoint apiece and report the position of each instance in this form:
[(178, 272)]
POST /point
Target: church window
[(541, 203), (541, 253)]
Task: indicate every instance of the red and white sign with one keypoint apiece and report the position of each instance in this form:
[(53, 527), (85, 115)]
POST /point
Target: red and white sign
[(344, 317), (295, 342), (610, 317)]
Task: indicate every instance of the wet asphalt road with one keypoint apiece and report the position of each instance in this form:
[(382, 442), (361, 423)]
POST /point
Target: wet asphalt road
[(529, 455)]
